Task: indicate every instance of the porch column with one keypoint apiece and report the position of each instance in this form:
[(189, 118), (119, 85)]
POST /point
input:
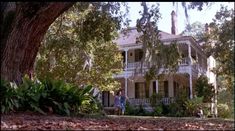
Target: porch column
[(190, 84), (126, 86), (189, 54), (126, 51), (156, 86)]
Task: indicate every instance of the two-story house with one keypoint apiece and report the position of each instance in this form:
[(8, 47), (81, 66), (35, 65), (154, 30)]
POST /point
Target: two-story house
[(193, 64)]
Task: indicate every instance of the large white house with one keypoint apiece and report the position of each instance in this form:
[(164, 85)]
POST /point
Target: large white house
[(193, 64)]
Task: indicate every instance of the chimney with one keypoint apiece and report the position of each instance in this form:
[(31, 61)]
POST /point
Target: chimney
[(174, 23)]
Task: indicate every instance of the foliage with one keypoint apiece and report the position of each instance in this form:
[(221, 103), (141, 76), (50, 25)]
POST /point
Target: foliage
[(220, 44), (50, 96), (136, 110), (129, 109), (192, 105), (156, 54), (223, 111), (158, 110), (203, 89), (155, 99), (78, 46), (196, 29), (8, 97), (227, 98), (176, 110)]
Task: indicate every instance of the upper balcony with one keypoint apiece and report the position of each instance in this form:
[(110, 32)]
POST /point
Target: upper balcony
[(195, 66), (192, 59)]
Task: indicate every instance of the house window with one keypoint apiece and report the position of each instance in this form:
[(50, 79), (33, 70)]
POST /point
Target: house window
[(105, 98), (124, 57), (176, 89), (154, 86), (163, 88), (141, 91), (138, 55)]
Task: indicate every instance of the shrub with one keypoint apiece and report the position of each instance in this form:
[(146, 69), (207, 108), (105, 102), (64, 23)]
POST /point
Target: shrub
[(192, 105), (157, 110), (175, 110), (203, 89), (223, 110), (155, 99), (8, 97), (129, 110), (48, 95)]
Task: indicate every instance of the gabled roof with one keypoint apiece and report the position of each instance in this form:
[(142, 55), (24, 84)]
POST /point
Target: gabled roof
[(132, 34), (129, 38)]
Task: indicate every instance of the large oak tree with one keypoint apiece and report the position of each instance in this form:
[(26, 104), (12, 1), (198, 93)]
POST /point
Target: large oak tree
[(23, 25)]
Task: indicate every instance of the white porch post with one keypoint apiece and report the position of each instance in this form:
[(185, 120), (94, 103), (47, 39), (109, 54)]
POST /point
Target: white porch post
[(126, 51), (190, 84), (189, 54), (126, 86), (156, 86)]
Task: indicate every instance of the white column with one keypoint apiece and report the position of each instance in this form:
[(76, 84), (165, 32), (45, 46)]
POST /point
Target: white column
[(190, 84), (126, 55), (189, 54), (156, 86), (126, 86)]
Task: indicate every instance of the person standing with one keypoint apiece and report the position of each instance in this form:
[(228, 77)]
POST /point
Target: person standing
[(123, 102), (117, 103)]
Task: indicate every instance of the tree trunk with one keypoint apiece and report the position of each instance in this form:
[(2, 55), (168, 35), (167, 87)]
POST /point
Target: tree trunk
[(23, 26)]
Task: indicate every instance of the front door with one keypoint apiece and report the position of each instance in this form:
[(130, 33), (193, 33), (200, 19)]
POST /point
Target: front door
[(105, 98)]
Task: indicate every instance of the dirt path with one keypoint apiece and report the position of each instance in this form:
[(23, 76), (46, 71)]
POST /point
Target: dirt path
[(39, 122)]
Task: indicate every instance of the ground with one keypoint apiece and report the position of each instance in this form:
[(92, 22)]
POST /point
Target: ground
[(28, 121)]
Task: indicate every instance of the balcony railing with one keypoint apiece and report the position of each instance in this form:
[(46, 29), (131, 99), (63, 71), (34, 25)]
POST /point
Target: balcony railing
[(184, 62), (136, 64), (146, 101)]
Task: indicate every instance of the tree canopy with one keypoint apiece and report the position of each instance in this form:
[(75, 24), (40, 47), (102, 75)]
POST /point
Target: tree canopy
[(220, 44), (78, 47)]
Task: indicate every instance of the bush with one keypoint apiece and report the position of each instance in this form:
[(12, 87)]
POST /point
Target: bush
[(155, 99), (192, 105), (48, 96), (203, 89), (129, 110), (223, 110), (137, 111), (8, 97), (157, 110), (175, 110)]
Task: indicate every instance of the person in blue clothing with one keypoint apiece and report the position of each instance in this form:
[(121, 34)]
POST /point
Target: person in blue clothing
[(123, 102), (117, 103)]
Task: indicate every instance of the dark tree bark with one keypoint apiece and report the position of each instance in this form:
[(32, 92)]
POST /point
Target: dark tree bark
[(23, 26)]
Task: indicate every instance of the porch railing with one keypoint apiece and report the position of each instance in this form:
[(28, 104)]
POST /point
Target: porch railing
[(146, 101), (135, 64)]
